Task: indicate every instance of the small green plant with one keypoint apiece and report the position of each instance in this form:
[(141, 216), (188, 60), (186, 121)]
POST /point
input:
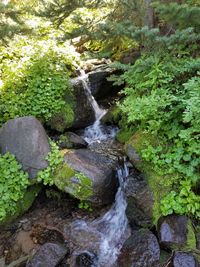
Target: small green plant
[(13, 184), (85, 205), (54, 159), (182, 202)]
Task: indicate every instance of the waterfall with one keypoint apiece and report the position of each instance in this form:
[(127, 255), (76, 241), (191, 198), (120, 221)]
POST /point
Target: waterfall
[(110, 231), (96, 132)]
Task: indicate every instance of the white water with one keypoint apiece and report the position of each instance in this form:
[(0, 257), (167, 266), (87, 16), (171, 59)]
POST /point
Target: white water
[(110, 231), (96, 132)]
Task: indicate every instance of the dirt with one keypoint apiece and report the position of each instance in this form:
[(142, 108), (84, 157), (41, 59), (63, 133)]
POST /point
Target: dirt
[(44, 222)]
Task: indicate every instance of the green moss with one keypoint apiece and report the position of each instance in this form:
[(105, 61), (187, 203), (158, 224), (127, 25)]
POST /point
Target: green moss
[(64, 141), (23, 204), (160, 184), (62, 176), (62, 120), (72, 182), (191, 238), (124, 135), (112, 116)]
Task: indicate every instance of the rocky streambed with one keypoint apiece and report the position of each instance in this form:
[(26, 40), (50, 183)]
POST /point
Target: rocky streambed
[(118, 229)]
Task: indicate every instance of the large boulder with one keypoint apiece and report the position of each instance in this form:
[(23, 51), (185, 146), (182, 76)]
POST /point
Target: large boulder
[(139, 200), (87, 175), (48, 255), (25, 138), (140, 250), (176, 231)]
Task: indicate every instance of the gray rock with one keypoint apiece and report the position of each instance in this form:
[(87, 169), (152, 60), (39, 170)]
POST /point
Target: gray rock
[(139, 200), (181, 259), (48, 255), (174, 231), (25, 137), (71, 140), (84, 113), (140, 250), (99, 169)]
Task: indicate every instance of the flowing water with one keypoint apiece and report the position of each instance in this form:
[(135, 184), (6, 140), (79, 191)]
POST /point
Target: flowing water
[(96, 132), (105, 236)]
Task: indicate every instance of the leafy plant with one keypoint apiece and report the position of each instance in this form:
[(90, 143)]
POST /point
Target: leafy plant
[(35, 81), (54, 159), (13, 184), (183, 201)]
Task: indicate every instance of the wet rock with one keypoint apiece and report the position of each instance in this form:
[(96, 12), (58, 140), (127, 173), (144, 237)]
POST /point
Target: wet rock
[(83, 112), (140, 250), (99, 171), (43, 234), (100, 86), (176, 231), (71, 140), (181, 259), (48, 255), (139, 200), (86, 259), (25, 137)]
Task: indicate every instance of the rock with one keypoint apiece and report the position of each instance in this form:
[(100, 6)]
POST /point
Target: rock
[(46, 234), (25, 137), (139, 200), (77, 112), (141, 249), (100, 86), (88, 175), (86, 259), (181, 259), (48, 255), (113, 116), (134, 148), (71, 140), (176, 231), (84, 113)]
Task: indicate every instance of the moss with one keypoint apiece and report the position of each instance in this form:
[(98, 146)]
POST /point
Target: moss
[(191, 238), (63, 119), (72, 182), (23, 204), (112, 116), (124, 135), (160, 184), (64, 141)]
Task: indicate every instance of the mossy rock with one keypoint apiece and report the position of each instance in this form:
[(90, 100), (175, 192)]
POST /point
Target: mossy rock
[(112, 116), (160, 184), (76, 184), (63, 119), (23, 204), (176, 233)]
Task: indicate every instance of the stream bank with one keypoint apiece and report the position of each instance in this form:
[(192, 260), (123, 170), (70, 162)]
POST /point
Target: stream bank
[(57, 233)]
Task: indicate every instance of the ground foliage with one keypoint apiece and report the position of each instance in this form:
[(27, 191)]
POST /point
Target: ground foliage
[(162, 97), (162, 93)]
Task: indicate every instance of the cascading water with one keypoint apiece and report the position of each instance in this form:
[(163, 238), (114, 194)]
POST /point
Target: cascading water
[(101, 239), (96, 132), (105, 236)]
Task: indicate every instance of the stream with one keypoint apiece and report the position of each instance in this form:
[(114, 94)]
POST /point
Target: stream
[(100, 241)]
